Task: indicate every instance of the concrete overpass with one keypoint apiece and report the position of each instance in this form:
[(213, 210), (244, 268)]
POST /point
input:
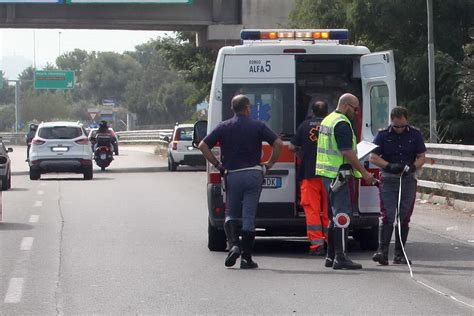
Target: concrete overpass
[(213, 20)]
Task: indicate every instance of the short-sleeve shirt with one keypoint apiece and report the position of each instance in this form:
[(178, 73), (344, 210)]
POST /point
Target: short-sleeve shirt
[(399, 148), (306, 137), (343, 134), (241, 140)]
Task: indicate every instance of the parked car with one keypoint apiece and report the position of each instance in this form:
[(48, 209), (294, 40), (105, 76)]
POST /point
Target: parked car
[(181, 150), (115, 137), (60, 147), (5, 167)]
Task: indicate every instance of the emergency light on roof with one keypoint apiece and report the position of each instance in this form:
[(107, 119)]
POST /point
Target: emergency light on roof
[(312, 34)]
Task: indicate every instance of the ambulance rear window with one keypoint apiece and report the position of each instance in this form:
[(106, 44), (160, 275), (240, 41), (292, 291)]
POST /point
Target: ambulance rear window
[(271, 103)]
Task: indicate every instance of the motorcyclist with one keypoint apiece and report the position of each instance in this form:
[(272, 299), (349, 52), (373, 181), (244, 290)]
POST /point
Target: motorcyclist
[(29, 138), (104, 131)]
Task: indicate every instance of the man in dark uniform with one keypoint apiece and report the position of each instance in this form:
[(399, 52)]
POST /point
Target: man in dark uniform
[(400, 153), (313, 195), (241, 139), (29, 138)]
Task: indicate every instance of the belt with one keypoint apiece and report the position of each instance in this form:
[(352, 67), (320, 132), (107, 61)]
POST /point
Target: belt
[(257, 167)]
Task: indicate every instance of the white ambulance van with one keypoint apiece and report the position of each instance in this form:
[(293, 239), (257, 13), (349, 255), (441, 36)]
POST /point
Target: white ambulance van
[(283, 72)]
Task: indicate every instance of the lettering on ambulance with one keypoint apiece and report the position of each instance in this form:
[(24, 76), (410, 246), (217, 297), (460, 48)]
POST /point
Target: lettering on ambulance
[(258, 66)]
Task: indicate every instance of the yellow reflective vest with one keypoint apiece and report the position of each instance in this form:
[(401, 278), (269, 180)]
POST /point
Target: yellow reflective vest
[(329, 157)]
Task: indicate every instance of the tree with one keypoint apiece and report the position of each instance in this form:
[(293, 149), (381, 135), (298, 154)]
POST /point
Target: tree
[(107, 75), (402, 27), (7, 93), (193, 64), (44, 105)]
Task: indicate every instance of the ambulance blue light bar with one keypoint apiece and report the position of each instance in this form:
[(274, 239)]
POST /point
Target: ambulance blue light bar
[(311, 34)]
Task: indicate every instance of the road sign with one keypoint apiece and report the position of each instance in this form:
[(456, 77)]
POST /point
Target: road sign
[(93, 112), (54, 79)]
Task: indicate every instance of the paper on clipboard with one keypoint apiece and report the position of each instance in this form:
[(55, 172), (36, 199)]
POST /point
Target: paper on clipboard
[(364, 148)]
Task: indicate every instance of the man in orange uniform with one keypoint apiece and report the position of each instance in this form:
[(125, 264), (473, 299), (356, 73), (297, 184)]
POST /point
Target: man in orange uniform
[(313, 195)]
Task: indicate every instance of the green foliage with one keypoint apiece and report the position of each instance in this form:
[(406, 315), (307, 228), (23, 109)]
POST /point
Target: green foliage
[(44, 105), (7, 93), (193, 64), (107, 75), (401, 26), (7, 117)]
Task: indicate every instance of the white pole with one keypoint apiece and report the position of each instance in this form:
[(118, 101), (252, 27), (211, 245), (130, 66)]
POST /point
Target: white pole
[(431, 70)]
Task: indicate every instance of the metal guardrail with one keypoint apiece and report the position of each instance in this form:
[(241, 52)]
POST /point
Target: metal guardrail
[(13, 138), (449, 171), (145, 136)]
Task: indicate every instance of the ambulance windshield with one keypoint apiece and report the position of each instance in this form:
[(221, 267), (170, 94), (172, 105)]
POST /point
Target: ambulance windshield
[(271, 103)]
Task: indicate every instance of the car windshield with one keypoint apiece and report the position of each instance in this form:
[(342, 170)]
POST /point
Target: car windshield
[(60, 132), (185, 133)]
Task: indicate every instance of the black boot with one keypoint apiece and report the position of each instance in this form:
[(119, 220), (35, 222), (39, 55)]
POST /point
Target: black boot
[(399, 257), (341, 260), (231, 228), (385, 235), (248, 239), (330, 254)]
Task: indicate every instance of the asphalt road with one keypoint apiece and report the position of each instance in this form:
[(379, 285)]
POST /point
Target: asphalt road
[(134, 241)]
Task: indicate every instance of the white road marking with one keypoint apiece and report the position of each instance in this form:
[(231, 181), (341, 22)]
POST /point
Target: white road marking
[(34, 218), (15, 290), (39, 204), (26, 243), (40, 192)]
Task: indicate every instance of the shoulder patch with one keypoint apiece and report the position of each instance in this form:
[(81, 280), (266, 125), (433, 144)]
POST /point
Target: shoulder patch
[(415, 128)]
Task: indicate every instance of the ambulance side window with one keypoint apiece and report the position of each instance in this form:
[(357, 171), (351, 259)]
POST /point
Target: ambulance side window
[(379, 107)]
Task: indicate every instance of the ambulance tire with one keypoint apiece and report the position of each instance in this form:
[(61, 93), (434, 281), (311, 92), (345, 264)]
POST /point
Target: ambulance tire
[(217, 240), (368, 238)]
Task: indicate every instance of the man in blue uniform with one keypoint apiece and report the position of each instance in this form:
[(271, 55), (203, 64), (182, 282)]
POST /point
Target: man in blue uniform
[(400, 153), (313, 197), (241, 139)]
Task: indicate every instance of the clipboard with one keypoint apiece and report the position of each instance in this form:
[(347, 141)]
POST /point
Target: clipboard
[(364, 148)]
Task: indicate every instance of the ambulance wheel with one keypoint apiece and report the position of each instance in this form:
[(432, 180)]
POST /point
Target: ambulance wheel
[(369, 238), (217, 240)]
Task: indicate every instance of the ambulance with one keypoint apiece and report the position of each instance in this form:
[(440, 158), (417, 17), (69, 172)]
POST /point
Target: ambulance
[(282, 72)]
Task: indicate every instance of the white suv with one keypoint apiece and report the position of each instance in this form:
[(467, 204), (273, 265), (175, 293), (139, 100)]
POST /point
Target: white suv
[(181, 150), (60, 147)]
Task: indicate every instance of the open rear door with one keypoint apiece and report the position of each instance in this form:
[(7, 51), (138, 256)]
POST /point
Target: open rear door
[(379, 98)]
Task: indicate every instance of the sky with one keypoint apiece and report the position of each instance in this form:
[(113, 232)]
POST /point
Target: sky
[(18, 46)]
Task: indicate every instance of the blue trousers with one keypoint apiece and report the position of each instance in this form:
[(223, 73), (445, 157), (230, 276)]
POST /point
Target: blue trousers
[(389, 189), (340, 201), (242, 195)]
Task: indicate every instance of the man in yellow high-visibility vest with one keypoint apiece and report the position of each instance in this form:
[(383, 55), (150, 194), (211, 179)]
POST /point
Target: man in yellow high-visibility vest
[(337, 164)]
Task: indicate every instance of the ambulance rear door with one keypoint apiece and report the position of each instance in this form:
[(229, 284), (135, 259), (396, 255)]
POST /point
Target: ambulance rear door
[(378, 99), (269, 82)]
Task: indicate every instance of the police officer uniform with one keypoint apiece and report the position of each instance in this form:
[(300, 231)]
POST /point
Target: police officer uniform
[(400, 150)]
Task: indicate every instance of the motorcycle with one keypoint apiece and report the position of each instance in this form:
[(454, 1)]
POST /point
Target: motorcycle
[(103, 151)]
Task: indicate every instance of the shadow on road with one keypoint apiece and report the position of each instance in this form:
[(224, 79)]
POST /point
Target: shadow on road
[(15, 226)]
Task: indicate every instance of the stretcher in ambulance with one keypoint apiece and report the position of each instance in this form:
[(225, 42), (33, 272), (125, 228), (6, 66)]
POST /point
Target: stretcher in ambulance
[(283, 72)]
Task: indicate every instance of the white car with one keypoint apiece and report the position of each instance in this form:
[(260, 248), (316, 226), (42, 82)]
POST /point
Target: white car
[(181, 150), (60, 147), (5, 167)]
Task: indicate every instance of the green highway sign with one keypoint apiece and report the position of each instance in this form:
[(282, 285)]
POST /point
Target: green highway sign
[(54, 79)]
